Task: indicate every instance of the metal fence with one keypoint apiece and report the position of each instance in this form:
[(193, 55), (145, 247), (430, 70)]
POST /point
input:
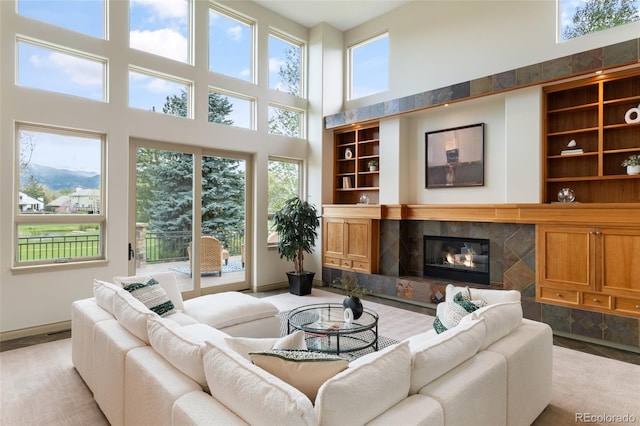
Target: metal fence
[(172, 246), (58, 247)]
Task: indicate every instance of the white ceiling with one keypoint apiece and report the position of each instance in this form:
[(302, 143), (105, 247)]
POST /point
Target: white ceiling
[(340, 14)]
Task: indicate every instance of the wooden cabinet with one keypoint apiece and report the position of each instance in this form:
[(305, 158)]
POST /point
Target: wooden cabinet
[(355, 148), (350, 244), (592, 113), (590, 268)]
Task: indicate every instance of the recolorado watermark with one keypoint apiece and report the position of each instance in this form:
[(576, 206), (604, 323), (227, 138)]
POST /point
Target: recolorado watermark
[(605, 418)]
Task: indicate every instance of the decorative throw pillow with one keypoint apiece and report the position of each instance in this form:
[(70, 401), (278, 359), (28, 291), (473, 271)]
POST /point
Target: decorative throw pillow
[(152, 295), (245, 345), (454, 311), (305, 371)]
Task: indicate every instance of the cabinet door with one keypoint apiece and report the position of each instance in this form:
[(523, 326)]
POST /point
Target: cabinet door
[(334, 238), (619, 261), (358, 238), (565, 258)]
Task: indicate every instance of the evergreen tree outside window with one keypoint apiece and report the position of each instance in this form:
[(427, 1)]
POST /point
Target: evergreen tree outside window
[(230, 45), (581, 17), (232, 110), (151, 92), (369, 67)]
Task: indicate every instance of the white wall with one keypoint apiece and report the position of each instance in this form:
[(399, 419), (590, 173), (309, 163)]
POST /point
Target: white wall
[(41, 296)]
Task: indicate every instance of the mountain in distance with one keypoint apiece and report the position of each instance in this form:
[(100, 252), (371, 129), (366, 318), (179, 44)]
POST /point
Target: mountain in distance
[(56, 179)]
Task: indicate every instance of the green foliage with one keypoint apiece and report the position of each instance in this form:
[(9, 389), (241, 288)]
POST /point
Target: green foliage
[(598, 15), (632, 160), (283, 183), (36, 190), (286, 122), (296, 223)]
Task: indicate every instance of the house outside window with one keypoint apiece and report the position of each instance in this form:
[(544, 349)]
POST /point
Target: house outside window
[(60, 199), (368, 64)]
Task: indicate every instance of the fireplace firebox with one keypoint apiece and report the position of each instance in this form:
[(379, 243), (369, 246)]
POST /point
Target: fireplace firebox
[(459, 259)]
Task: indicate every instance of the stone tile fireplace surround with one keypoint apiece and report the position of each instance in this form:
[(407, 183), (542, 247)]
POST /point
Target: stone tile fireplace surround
[(512, 266)]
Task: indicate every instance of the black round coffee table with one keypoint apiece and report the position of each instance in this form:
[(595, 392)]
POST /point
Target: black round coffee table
[(327, 331)]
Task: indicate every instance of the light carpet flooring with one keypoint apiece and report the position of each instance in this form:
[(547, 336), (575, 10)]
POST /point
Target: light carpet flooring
[(39, 385)]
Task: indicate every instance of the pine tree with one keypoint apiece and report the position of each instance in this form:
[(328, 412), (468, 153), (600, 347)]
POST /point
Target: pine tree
[(598, 15)]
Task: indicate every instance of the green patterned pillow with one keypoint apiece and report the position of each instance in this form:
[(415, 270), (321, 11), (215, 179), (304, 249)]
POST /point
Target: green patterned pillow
[(461, 306), (153, 296)]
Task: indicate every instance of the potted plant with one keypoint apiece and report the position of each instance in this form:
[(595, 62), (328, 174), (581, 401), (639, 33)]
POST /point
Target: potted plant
[(632, 163), (373, 165), (296, 224), (353, 292)]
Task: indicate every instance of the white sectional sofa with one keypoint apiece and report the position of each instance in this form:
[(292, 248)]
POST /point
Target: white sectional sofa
[(494, 368)]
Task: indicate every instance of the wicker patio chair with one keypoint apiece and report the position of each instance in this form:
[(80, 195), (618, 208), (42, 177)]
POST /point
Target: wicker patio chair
[(211, 259)]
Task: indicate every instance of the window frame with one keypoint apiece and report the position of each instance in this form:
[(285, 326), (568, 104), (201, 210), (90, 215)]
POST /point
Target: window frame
[(303, 54), (302, 132), (300, 164), (350, 65), (252, 109), (19, 218), (163, 76)]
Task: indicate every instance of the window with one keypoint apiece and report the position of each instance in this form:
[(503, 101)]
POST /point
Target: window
[(85, 16), (285, 65), (581, 17), (230, 45), (161, 27), (285, 121), (369, 67), (231, 110), (284, 183), (48, 68), (60, 204), (158, 94)]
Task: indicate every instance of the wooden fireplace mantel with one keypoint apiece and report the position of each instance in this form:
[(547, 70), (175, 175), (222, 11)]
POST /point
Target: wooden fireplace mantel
[(596, 214)]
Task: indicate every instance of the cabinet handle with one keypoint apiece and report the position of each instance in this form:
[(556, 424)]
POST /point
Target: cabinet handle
[(595, 300), (637, 306), (558, 295)]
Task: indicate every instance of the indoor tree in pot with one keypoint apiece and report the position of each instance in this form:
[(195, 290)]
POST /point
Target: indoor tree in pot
[(632, 163), (296, 224)]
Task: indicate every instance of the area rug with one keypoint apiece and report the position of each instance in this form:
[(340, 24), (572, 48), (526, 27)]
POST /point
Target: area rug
[(232, 266)]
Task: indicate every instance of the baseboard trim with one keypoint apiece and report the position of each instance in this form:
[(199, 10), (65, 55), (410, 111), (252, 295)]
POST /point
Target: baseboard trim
[(52, 328)]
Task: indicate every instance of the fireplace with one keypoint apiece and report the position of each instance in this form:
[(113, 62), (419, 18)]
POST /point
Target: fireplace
[(459, 259)]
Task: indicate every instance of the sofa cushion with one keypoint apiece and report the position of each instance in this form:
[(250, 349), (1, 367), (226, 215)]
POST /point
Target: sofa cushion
[(490, 296), (370, 386), (500, 319), (251, 393), (104, 293), (245, 345), (228, 308), (304, 370), (132, 314), (167, 280), (432, 357), (182, 347), (453, 311), (152, 295)]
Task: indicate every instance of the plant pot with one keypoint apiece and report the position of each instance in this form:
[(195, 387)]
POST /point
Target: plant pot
[(300, 284), (633, 170), (373, 168), (355, 304)]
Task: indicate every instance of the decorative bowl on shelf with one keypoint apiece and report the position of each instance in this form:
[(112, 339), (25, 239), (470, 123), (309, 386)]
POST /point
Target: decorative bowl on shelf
[(566, 195)]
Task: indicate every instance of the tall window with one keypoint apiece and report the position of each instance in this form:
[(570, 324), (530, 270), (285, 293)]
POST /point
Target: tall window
[(230, 45), (369, 67), (581, 17), (231, 110), (56, 70), (161, 27), (285, 121), (59, 198), (85, 16), (154, 93), (284, 183), (285, 65)]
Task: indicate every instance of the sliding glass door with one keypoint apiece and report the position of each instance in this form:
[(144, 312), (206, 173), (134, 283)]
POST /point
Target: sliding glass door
[(198, 231)]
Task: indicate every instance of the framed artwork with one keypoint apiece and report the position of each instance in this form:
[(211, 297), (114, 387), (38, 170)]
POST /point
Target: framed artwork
[(455, 157)]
